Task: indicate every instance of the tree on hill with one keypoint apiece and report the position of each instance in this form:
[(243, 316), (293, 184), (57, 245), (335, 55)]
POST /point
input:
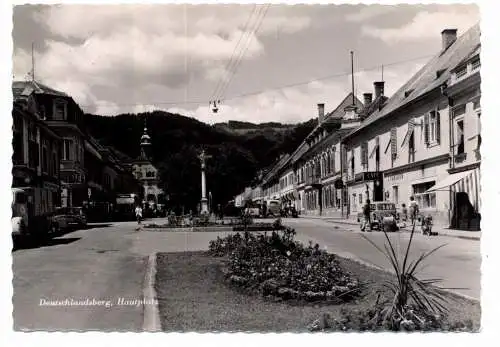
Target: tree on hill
[(177, 141)]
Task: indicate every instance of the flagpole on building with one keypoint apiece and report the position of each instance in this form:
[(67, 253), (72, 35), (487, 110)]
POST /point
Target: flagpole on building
[(352, 77), (33, 61)]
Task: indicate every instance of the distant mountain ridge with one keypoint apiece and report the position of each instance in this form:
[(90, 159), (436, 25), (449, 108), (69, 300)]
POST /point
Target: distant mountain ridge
[(238, 149)]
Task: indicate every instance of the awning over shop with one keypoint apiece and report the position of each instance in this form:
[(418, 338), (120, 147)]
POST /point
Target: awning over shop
[(450, 180)]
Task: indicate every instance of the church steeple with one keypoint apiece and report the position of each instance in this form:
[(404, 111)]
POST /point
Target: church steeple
[(145, 142)]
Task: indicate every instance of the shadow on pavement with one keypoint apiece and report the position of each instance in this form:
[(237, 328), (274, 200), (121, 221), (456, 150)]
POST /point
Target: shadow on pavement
[(95, 226), (30, 244)]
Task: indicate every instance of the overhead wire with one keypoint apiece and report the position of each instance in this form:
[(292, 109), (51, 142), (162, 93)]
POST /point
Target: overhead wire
[(250, 36), (243, 95), (230, 62)]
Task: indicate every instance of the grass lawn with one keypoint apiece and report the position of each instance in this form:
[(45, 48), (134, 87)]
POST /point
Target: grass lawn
[(193, 296)]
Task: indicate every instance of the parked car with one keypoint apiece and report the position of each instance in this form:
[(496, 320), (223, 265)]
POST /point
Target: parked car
[(273, 208), (78, 216), (253, 211), (65, 218), (383, 215)]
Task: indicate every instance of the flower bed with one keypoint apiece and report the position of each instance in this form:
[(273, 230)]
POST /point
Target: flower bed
[(277, 266), (214, 227), (256, 227)]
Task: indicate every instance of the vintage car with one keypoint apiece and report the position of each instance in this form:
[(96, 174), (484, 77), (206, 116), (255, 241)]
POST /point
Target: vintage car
[(382, 216), (273, 208), (78, 216), (68, 218)]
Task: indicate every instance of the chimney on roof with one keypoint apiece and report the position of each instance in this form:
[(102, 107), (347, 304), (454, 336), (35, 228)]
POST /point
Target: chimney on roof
[(367, 99), (321, 113), (379, 88), (448, 36)]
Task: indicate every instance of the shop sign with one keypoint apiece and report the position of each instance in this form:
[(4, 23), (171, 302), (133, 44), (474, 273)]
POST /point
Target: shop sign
[(394, 178), (367, 176)]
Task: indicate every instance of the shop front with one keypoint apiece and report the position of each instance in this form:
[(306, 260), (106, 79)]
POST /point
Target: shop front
[(365, 185), (401, 185), (463, 188)]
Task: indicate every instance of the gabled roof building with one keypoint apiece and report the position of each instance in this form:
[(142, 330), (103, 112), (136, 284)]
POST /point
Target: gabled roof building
[(425, 134)]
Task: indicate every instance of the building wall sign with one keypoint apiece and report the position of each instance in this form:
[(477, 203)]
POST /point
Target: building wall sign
[(395, 178), (367, 176)]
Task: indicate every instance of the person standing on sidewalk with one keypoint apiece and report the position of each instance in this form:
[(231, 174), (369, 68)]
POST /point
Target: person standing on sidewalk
[(413, 209), (366, 215)]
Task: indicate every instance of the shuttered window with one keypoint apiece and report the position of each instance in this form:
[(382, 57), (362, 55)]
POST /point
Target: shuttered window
[(409, 132), (375, 147), (364, 154), (344, 159), (394, 143), (333, 160), (432, 128)]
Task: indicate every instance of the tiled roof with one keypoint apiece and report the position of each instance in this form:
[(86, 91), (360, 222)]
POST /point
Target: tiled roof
[(374, 105), (330, 140), (338, 113), (477, 50), (425, 80), (281, 162), (18, 87)]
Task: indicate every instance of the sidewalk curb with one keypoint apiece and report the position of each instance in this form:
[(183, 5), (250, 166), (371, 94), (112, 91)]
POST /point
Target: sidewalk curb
[(151, 321), (352, 257), (333, 221)]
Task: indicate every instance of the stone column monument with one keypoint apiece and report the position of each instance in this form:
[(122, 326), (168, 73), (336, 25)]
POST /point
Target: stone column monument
[(204, 201)]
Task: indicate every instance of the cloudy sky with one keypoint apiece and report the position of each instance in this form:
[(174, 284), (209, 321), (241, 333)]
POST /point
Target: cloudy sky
[(132, 58)]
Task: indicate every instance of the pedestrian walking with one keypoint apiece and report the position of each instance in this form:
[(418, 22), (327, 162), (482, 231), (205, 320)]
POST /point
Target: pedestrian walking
[(366, 215), (138, 215), (413, 206)]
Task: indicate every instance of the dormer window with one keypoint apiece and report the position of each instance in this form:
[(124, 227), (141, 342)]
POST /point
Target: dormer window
[(461, 72), (475, 63), (43, 115), (60, 110)]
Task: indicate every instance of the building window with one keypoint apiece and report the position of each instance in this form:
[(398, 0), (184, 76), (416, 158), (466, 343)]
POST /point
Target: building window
[(460, 136), (352, 165), (461, 72), (364, 155), (395, 194), (45, 160), (333, 161), (55, 164), (411, 148), (394, 145), (434, 127), (475, 64), (60, 110), (18, 141), (33, 148), (67, 149), (424, 200), (459, 110)]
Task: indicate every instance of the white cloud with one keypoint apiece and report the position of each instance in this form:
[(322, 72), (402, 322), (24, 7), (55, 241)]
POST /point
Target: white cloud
[(369, 12), (106, 108), (425, 25), (130, 45), (299, 104)]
